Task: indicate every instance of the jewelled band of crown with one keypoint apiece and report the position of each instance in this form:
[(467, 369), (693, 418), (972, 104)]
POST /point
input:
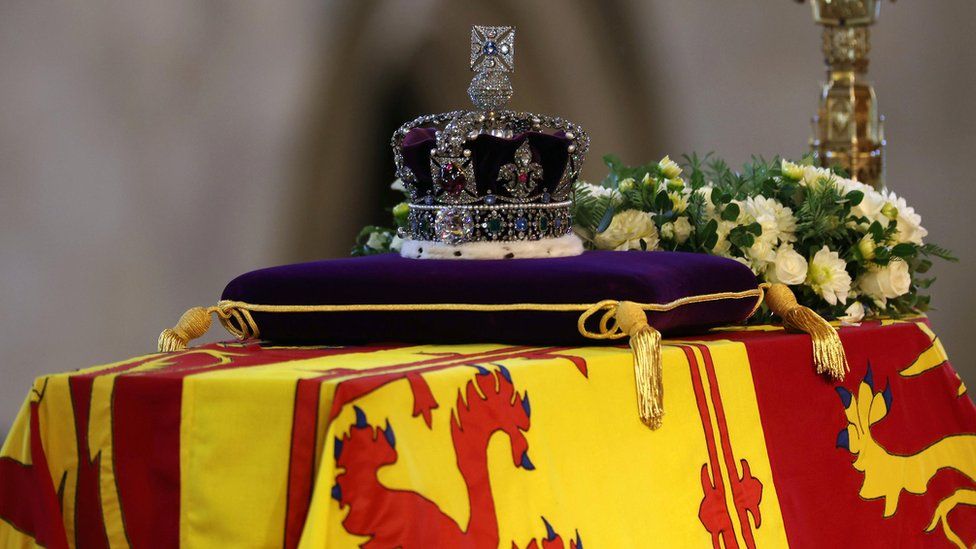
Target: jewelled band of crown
[(463, 224)]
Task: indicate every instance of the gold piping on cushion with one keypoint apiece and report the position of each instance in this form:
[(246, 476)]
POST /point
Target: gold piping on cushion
[(619, 319)]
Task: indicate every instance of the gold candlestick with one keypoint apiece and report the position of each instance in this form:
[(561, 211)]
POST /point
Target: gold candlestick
[(847, 130)]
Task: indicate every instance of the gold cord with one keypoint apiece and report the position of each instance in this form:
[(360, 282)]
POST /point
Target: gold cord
[(617, 320), (828, 351), (645, 345)]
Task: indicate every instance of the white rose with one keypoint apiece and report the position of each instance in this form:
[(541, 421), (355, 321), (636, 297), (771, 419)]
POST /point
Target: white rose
[(871, 205), (626, 231), (888, 282), (682, 229), (854, 313), (789, 267), (667, 231)]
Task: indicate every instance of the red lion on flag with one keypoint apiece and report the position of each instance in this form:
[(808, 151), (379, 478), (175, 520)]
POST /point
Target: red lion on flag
[(488, 405)]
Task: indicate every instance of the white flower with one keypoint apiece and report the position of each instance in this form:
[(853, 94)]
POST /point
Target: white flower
[(722, 245), (760, 255), (669, 168), (397, 185), (872, 203), (883, 283), (867, 247), (789, 267), (667, 231), (776, 220), (396, 244), (679, 201), (854, 313), (813, 176), (626, 231), (682, 229), (827, 276), (378, 240), (909, 223), (791, 170), (626, 185), (649, 181), (599, 191), (677, 184)]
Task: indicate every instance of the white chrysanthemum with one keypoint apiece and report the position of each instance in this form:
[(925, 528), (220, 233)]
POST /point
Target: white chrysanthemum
[(789, 267), (827, 276), (867, 246), (669, 168), (814, 177), (776, 220), (626, 231), (909, 223), (791, 170), (679, 200), (599, 191)]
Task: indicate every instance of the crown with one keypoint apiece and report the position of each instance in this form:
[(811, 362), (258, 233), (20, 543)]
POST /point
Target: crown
[(489, 180)]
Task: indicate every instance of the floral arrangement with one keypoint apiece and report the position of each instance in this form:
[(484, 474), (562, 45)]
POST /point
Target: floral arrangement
[(847, 250)]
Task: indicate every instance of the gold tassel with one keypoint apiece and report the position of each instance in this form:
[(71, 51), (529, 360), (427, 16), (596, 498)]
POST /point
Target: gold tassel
[(645, 345), (828, 351), (193, 324)]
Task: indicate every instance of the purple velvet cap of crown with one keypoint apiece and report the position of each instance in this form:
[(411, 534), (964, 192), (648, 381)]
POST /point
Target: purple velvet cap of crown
[(647, 277), (489, 154)]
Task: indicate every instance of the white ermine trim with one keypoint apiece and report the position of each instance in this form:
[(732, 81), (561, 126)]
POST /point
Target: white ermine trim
[(563, 246)]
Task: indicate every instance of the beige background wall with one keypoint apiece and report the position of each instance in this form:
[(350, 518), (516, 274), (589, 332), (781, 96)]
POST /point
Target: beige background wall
[(150, 151)]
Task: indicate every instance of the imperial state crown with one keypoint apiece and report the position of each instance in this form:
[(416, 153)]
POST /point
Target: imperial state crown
[(489, 183)]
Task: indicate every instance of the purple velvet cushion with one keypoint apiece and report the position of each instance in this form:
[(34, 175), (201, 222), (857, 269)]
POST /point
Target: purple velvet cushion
[(646, 277)]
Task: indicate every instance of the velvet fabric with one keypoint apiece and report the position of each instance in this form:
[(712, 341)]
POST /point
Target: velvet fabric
[(489, 154), (647, 277)]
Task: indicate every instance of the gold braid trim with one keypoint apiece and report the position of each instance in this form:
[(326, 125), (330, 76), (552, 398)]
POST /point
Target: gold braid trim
[(617, 320)]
